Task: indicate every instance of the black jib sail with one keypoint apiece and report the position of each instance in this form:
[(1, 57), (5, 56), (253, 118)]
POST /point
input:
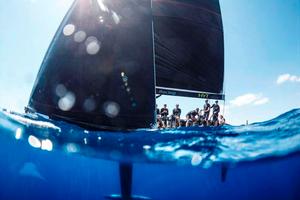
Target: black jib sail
[(98, 71), (189, 48)]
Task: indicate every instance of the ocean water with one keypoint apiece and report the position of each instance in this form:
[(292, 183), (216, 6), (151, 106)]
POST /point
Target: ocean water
[(46, 159)]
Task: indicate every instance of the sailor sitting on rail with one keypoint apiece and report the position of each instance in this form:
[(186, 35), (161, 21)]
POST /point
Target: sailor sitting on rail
[(158, 118), (175, 117), (222, 120), (192, 117), (164, 112)]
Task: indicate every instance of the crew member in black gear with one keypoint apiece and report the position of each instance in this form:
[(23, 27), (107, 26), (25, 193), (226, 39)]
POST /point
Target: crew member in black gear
[(157, 110), (164, 112), (175, 119), (222, 120), (216, 110), (206, 110), (191, 117), (158, 118)]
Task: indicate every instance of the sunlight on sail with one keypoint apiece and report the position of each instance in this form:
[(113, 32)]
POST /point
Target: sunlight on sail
[(102, 6), (79, 36), (92, 45), (111, 109), (69, 29), (67, 102)]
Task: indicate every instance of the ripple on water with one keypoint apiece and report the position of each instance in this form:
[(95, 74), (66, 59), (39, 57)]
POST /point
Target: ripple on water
[(195, 146)]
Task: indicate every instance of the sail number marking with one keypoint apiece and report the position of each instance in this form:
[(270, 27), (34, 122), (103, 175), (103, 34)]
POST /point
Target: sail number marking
[(203, 95)]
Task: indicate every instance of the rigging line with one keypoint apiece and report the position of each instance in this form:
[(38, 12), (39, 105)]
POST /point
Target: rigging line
[(171, 53), (169, 60), (160, 44), (165, 54), (162, 61), (165, 64), (178, 71)]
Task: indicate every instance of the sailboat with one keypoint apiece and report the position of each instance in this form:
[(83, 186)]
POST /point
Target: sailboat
[(109, 60)]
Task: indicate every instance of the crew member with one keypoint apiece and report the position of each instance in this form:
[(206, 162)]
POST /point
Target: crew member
[(206, 110), (192, 117), (164, 112), (215, 116), (176, 116), (158, 118), (222, 120), (157, 110)]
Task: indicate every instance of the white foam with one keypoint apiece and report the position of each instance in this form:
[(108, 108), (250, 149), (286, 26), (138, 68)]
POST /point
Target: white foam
[(31, 122)]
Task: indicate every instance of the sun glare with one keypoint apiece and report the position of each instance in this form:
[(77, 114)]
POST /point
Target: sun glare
[(64, 3)]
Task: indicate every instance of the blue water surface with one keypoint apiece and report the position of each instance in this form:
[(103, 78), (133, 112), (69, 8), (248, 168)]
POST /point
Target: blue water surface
[(47, 159)]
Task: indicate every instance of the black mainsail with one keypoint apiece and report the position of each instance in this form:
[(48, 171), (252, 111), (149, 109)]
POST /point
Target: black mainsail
[(109, 59), (98, 71)]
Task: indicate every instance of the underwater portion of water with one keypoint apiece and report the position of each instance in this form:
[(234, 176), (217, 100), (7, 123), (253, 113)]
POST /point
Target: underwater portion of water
[(47, 159)]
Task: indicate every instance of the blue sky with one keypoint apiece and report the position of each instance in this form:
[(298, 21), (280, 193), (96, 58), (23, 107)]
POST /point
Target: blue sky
[(262, 55)]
